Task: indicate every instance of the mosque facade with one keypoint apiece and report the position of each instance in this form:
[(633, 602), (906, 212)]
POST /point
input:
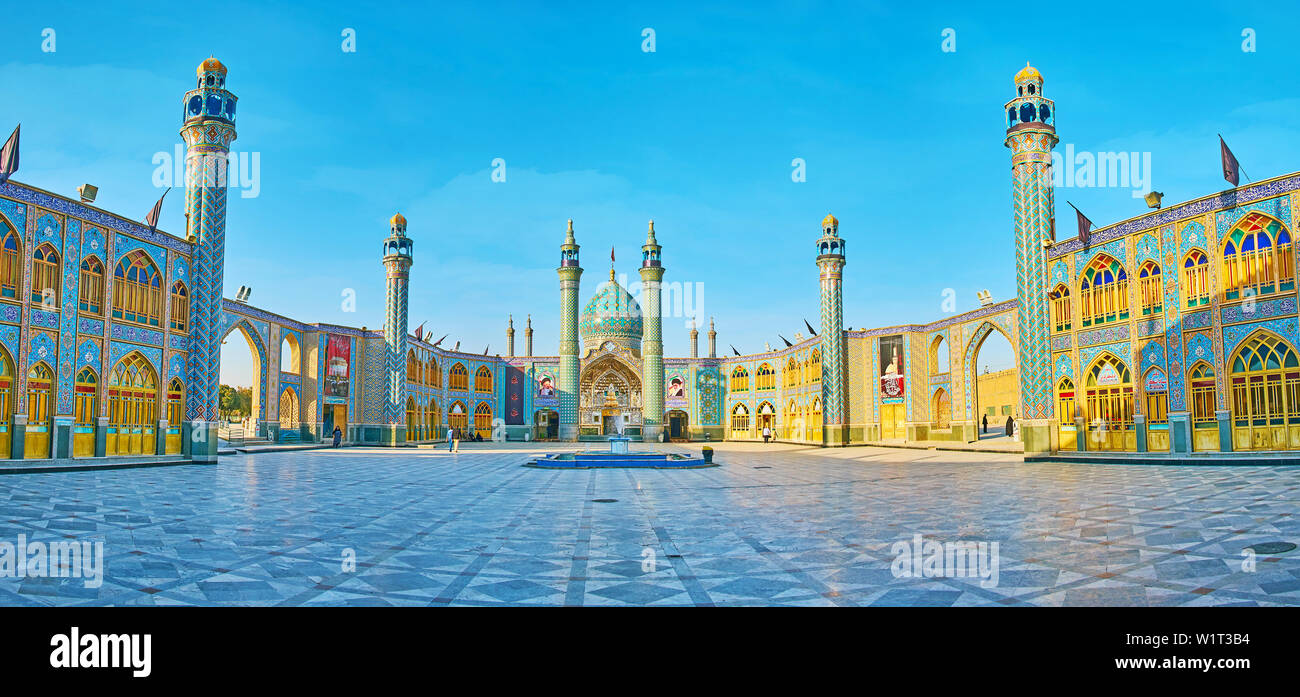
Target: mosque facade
[(1171, 332)]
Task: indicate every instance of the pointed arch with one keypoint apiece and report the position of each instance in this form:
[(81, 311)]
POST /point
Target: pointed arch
[(458, 377), (941, 408), (1151, 294), (435, 373), (1060, 301), (483, 379), (939, 358), (47, 276), (765, 378), (137, 289), (791, 372), (815, 366), (288, 408), (290, 353), (260, 390), (1066, 406), (1103, 291), (1108, 389), (180, 308), (8, 382), (1258, 255), (1196, 278), (132, 395), (740, 421), (1202, 383), (90, 286), (458, 417), (175, 414), (740, 379), (412, 420), (483, 420), (1264, 375), (11, 264)]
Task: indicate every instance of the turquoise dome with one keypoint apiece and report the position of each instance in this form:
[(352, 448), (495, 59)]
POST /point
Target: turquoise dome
[(612, 313)]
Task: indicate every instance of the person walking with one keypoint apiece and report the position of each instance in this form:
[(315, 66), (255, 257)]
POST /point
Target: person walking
[(450, 432), (1010, 422), (455, 439), (338, 436), (767, 434), (986, 423)]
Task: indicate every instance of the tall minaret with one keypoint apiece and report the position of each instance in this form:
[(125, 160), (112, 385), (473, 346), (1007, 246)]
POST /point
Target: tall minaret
[(652, 340), (510, 337), (1031, 135), (570, 278), (713, 340), (695, 339), (208, 130), (398, 258), (830, 262)]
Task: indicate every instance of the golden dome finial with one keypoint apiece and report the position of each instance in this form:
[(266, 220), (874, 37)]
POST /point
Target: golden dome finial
[(397, 219), (830, 221), (211, 65), (1028, 72)]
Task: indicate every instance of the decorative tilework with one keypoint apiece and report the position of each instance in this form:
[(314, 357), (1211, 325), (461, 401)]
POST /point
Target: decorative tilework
[(1197, 320), (1233, 335), (9, 339), (68, 324), (1264, 309), (11, 313), (43, 348), (1151, 354), (1151, 327), (117, 350), (1146, 248), (86, 325), (1060, 274), (143, 335), (1120, 350), (1199, 348), (1064, 367), (1060, 342), (1117, 249), (1226, 199), (178, 342), (125, 245), (1193, 237), (43, 319), (1105, 335), (88, 355)]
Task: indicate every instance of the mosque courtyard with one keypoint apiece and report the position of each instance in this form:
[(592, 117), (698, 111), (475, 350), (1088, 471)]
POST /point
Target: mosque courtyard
[(771, 525)]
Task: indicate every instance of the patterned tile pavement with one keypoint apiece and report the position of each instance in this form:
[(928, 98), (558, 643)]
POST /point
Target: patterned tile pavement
[(773, 525)]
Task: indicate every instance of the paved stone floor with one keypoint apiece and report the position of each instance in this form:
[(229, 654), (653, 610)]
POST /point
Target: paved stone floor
[(776, 524)]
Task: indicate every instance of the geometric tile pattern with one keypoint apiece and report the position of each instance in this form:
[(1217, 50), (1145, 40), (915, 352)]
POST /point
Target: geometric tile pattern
[(429, 528)]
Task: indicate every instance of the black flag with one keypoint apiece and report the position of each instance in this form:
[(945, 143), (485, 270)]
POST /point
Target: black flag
[(1085, 225), (787, 341), (9, 157), (733, 350), (814, 331), (485, 349), (419, 332), (439, 341), (1230, 166), (152, 219)]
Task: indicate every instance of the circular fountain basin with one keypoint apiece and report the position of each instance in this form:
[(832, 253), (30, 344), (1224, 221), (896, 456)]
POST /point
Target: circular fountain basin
[(589, 460)]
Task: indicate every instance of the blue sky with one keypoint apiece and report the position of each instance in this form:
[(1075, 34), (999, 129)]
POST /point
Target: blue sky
[(903, 141)]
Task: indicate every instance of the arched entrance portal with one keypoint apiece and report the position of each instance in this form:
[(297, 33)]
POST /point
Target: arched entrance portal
[(132, 407), (678, 422), (1108, 391), (766, 418), (546, 424), (609, 396), (243, 367), (994, 380), (1264, 377)]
